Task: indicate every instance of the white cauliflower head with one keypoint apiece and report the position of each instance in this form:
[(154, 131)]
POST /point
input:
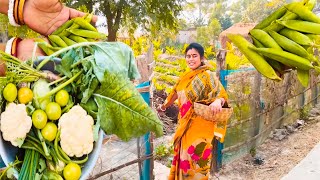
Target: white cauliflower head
[(76, 132), (15, 123)]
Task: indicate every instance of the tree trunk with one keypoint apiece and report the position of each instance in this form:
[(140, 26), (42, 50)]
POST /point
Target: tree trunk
[(112, 34)]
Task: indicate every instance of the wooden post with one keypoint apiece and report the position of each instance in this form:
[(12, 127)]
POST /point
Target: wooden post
[(221, 62), (216, 151), (256, 105)]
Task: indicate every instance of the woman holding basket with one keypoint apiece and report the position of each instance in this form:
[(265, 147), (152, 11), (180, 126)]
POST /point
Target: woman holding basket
[(194, 134)]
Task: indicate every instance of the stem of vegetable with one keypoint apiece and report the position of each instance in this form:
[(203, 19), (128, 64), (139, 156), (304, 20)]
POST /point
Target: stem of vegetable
[(81, 161), (57, 150), (64, 155), (46, 60), (4, 172), (56, 89), (58, 80), (43, 143), (79, 62)]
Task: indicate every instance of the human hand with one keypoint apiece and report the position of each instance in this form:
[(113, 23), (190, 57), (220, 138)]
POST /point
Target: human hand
[(25, 49), (216, 106), (45, 17)]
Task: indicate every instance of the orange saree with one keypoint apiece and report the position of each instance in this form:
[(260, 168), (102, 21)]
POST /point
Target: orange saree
[(193, 137)]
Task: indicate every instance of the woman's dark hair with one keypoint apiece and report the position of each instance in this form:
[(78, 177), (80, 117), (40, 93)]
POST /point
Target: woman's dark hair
[(197, 47)]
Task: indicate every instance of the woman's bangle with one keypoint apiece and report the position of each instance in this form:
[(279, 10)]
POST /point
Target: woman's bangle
[(15, 12), (19, 11), (11, 13), (11, 46)]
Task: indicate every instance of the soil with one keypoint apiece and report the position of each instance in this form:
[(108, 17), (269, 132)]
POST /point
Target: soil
[(278, 157)]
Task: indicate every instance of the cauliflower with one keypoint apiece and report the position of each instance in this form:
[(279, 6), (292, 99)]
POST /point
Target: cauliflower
[(76, 132), (15, 123)]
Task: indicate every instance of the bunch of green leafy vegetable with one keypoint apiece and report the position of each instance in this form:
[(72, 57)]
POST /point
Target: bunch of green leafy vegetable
[(104, 88)]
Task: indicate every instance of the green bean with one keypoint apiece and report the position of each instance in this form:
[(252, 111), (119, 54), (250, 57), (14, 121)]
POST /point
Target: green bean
[(310, 4), (285, 58), (85, 25), (264, 38), (272, 17), (255, 58), (68, 41), (273, 63), (73, 26), (303, 12), (274, 26), (87, 33), (289, 45), (302, 26), (296, 36), (88, 17), (77, 39), (45, 48), (63, 27), (57, 40)]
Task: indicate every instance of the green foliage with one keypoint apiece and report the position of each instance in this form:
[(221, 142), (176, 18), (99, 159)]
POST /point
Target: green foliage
[(157, 53), (156, 44), (163, 150), (170, 50), (168, 79), (183, 50), (209, 52), (207, 34), (233, 59), (22, 31), (140, 45), (150, 15)]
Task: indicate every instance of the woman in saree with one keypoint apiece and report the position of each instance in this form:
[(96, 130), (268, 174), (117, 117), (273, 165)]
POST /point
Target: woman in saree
[(194, 135)]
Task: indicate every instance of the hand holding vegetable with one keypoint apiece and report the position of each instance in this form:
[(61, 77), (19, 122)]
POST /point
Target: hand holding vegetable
[(50, 14)]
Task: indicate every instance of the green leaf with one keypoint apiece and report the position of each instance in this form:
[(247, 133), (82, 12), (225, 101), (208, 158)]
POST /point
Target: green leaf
[(66, 62), (115, 57), (122, 110), (199, 148)]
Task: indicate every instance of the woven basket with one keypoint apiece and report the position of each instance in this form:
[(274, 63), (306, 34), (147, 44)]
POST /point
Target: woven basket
[(205, 112)]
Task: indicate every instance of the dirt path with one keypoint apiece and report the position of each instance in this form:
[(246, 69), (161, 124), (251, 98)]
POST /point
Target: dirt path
[(279, 156)]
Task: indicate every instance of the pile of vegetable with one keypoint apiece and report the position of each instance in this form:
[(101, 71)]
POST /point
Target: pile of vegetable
[(55, 119), (284, 40)]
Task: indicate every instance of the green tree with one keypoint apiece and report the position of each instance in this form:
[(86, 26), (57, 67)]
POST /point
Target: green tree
[(207, 34), (220, 11), (258, 10), (152, 15), (199, 10)]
